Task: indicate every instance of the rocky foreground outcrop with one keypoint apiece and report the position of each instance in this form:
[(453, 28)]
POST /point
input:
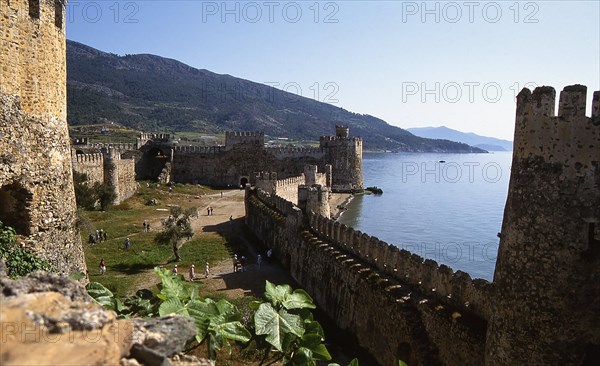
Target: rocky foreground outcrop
[(46, 319)]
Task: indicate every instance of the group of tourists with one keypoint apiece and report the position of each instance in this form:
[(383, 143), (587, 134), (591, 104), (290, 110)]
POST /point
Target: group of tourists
[(209, 211), (239, 264), (97, 237), (146, 226), (192, 271)]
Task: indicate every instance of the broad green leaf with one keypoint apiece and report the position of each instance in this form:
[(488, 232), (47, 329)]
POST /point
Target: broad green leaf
[(232, 330), (314, 327), (303, 357), (100, 294), (196, 309), (275, 324), (118, 305), (354, 362), (310, 340), (314, 342), (254, 304), (276, 294), (172, 306), (320, 352), (171, 286), (299, 299), (402, 363), (225, 307)]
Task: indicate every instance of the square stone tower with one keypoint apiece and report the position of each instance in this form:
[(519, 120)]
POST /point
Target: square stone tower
[(36, 183)]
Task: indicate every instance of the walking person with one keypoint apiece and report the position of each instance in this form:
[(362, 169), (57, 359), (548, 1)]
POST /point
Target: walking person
[(102, 266), (105, 236), (101, 235), (175, 270), (269, 254), (127, 243), (206, 270), (145, 225), (243, 263), (235, 262), (208, 211), (192, 273), (259, 261)]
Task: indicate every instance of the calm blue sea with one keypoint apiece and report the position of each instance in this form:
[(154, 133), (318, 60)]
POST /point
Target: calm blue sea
[(447, 207)]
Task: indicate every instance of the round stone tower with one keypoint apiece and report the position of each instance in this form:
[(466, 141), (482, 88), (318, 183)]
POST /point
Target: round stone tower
[(344, 154), (36, 183), (546, 309)]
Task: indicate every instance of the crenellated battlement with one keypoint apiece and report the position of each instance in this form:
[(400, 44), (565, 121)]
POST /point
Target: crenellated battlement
[(199, 149), (285, 152), (287, 182), (89, 158), (111, 146), (456, 288), (233, 138), (567, 137)]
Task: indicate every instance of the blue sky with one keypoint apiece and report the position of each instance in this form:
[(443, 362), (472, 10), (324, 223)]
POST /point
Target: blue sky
[(413, 64)]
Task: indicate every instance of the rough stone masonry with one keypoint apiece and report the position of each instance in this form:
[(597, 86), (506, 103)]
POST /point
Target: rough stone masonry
[(36, 184)]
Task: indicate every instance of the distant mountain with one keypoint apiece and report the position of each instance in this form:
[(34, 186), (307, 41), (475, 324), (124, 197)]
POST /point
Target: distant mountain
[(153, 93), (482, 142)]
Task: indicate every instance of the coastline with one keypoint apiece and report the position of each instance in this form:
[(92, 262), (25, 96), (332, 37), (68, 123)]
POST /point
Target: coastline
[(338, 204)]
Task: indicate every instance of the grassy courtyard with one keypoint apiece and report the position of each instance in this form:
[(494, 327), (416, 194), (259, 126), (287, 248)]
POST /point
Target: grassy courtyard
[(129, 270)]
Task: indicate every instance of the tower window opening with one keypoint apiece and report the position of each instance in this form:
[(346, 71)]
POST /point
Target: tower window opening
[(15, 202), (34, 9), (58, 13)]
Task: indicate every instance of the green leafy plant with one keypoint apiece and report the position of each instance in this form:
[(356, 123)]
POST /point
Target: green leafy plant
[(217, 323), (19, 262), (288, 326)]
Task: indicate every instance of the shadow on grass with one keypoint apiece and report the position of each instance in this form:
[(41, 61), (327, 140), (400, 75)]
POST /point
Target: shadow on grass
[(132, 269)]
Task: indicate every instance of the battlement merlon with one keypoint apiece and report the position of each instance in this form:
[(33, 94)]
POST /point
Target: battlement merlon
[(568, 136), (240, 137), (89, 158)]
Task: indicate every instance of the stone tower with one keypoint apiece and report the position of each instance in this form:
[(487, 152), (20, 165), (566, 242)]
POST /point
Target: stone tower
[(314, 199), (344, 153), (36, 183), (546, 309)]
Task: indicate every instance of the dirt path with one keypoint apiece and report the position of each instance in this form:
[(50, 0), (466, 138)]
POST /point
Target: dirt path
[(222, 278)]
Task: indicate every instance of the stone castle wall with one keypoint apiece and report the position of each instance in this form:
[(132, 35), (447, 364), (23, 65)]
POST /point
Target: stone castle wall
[(36, 185), (109, 168), (547, 274), (36, 180), (284, 188), (233, 138), (244, 155), (91, 165), (33, 55), (394, 319), (127, 186)]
